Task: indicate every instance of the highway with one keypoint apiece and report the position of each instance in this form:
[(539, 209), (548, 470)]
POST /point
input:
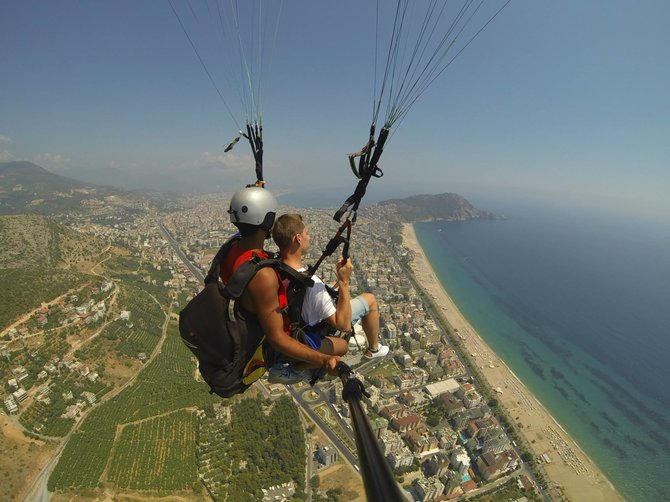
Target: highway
[(175, 245), (341, 447)]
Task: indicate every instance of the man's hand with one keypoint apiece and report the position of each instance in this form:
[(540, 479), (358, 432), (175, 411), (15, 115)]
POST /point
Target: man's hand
[(331, 365), (344, 270)]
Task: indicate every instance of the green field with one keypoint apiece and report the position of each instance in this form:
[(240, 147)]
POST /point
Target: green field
[(263, 445), (156, 454), (142, 331), (165, 386)]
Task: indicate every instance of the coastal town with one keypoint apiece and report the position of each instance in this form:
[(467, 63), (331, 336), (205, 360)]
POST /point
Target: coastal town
[(442, 424)]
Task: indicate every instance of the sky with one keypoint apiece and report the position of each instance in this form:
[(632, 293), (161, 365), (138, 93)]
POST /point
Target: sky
[(565, 100)]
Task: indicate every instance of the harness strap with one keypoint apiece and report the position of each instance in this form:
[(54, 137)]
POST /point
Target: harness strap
[(332, 246), (254, 135), (367, 169)]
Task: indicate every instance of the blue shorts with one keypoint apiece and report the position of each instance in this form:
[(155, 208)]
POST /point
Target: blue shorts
[(359, 309), (313, 340)]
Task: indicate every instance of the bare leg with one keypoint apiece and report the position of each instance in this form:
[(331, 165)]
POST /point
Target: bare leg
[(370, 322), (331, 345)]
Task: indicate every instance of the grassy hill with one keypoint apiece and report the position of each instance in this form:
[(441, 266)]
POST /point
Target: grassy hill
[(40, 260)]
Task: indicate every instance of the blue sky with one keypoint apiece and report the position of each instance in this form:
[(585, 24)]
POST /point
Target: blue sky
[(555, 99)]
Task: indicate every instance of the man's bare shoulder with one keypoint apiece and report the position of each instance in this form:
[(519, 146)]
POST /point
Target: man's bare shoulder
[(264, 278), (266, 274), (261, 293)]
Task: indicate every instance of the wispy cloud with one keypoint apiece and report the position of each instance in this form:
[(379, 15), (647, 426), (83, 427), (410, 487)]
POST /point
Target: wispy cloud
[(226, 160), (6, 155), (53, 160), (5, 139)]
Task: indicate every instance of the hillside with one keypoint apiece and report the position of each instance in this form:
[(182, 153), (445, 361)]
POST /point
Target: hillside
[(446, 206), (37, 241), (28, 188), (40, 260)]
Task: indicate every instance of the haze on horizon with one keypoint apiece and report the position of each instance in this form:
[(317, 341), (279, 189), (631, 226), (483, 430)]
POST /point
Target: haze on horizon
[(564, 101)]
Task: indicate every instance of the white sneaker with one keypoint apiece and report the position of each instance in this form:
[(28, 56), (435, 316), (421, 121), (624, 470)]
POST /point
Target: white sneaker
[(382, 351), (287, 374)]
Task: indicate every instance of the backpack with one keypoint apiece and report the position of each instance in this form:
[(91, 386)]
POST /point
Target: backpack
[(230, 345)]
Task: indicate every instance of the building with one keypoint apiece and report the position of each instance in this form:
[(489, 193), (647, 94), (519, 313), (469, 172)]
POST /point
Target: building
[(472, 399), (421, 444), (89, 396), (480, 426), (437, 388), (525, 483), (400, 458), (494, 441), (20, 395), (453, 486), (460, 460), (437, 465), (393, 410), (427, 489), (20, 373), (379, 426), (428, 361), (407, 422), (447, 437), (326, 455), (451, 403), (373, 398), (403, 360), (71, 412), (407, 398), (395, 451), (11, 405), (492, 466)]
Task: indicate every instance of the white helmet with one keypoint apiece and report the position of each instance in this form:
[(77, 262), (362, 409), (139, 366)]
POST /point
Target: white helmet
[(253, 206)]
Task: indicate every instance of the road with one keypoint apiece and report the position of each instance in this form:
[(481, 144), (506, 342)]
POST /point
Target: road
[(175, 245), (339, 445)]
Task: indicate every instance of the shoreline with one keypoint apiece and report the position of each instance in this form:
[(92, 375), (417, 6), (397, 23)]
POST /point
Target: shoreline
[(571, 470)]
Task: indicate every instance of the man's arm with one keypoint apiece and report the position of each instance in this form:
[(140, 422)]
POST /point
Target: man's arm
[(261, 299), (341, 319)]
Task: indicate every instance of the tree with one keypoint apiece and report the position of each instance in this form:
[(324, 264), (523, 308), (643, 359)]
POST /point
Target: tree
[(334, 494), (315, 482)]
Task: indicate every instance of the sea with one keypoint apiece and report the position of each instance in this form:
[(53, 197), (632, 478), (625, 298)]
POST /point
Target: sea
[(576, 301)]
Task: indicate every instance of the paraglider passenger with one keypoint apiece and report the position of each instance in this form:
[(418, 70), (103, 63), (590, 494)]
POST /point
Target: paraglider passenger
[(292, 237)]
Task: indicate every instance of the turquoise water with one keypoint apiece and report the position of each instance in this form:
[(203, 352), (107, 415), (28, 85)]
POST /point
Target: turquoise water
[(579, 307)]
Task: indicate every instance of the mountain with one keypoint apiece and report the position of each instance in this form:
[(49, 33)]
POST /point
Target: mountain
[(445, 206), (28, 188)]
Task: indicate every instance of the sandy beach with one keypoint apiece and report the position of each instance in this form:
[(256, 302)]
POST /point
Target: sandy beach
[(570, 470)]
